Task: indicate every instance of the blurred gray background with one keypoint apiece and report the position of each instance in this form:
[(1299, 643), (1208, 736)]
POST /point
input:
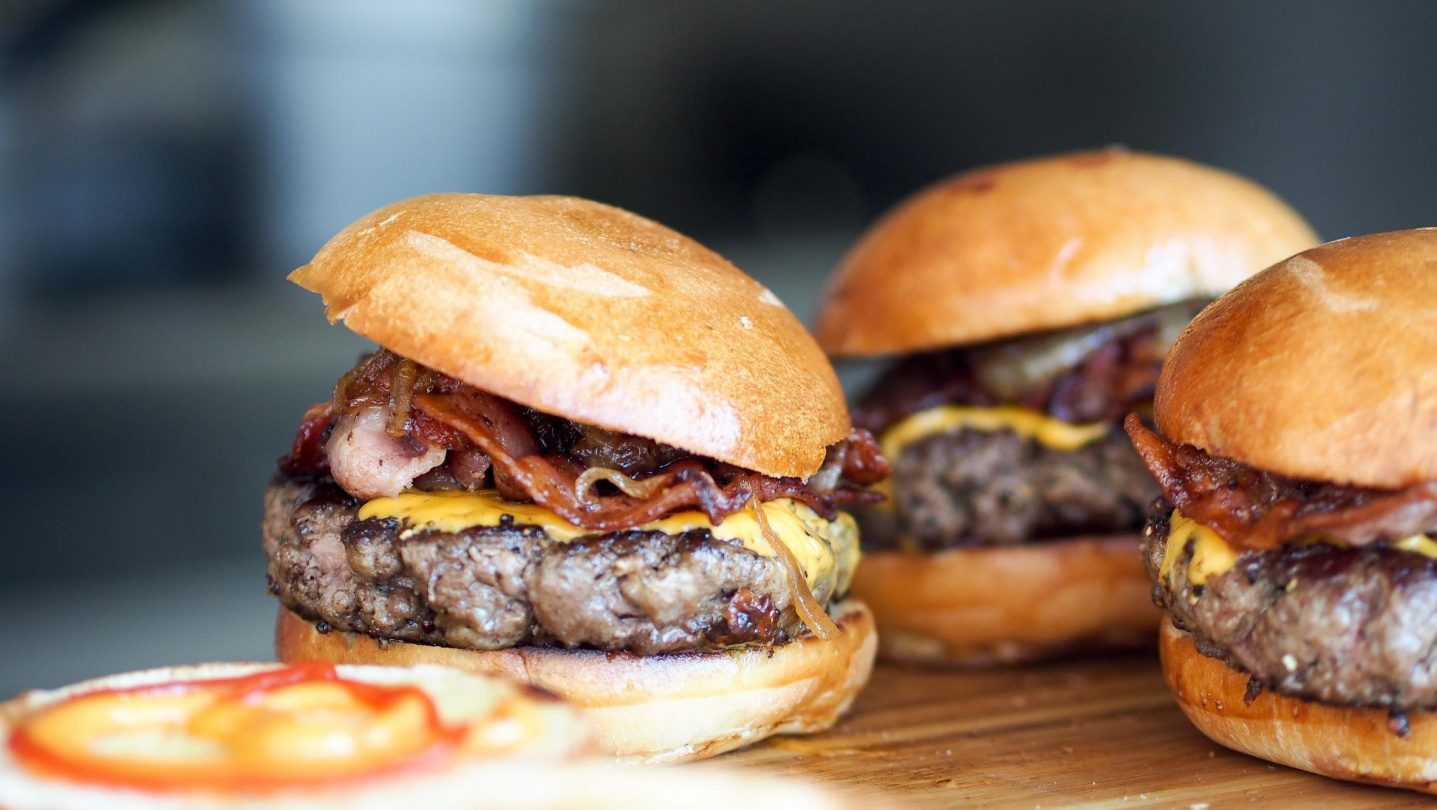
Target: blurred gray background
[(163, 164)]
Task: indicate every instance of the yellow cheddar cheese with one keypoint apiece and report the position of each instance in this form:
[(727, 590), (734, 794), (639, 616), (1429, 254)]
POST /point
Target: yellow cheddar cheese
[(1212, 556), (827, 551), (1026, 422)]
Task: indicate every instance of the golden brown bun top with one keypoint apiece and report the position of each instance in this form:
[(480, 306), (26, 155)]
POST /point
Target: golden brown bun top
[(1048, 243), (1323, 366), (592, 313)]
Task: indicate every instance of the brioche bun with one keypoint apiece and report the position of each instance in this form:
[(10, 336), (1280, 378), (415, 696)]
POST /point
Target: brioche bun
[(660, 708), (1343, 742), (1323, 366), (1048, 243), (983, 606), (591, 313)]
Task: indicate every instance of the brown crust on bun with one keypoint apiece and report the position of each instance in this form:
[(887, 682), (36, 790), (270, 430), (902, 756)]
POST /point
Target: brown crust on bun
[(1343, 742), (592, 313), (984, 606), (1048, 243), (663, 708), (1323, 366)]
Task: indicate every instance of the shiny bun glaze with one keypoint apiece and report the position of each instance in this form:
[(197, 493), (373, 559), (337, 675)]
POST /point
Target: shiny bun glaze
[(592, 313), (1048, 243), (1323, 366)]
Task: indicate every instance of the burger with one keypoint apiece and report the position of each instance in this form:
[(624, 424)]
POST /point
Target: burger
[(1019, 311), (315, 736), (588, 453), (1295, 544)]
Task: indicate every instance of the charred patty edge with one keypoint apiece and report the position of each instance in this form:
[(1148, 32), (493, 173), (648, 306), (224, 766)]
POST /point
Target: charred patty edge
[(968, 488), (1347, 627), (645, 592)]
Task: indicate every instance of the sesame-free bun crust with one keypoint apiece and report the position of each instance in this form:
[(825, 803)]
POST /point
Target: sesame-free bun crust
[(1342, 742), (592, 313), (1323, 366), (1048, 243), (661, 708), (985, 606)]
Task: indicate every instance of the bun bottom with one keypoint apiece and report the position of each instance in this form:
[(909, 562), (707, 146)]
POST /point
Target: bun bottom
[(1343, 742), (984, 606), (650, 709)]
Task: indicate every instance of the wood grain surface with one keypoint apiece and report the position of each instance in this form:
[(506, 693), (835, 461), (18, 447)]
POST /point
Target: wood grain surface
[(1094, 732)]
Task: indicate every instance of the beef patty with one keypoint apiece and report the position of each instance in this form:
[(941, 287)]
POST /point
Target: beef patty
[(494, 587), (996, 488), (1346, 626)]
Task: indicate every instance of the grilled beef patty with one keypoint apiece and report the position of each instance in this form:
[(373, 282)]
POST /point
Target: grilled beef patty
[(1345, 626), (488, 588), (996, 488)]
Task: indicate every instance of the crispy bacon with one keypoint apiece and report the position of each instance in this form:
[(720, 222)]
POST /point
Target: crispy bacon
[(1103, 382), (306, 456), (522, 473), (1259, 510), (530, 456)]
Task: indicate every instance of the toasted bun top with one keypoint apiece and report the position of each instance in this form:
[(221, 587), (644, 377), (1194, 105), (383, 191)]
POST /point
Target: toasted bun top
[(1048, 243), (592, 313), (1323, 366)]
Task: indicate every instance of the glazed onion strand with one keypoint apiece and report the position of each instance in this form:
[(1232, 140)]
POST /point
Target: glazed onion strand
[(401, 395), (641, 490), (810, 612)]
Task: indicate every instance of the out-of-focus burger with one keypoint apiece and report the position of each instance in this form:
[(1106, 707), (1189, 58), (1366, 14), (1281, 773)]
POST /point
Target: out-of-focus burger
[(263, 735), (319, 737), (1026, 308), (591, 454), (1295, 547)]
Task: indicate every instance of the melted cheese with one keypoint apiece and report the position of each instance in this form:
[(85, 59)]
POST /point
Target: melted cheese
[(1025, 422), (1418, 544), (826, 551), (1213, 556)]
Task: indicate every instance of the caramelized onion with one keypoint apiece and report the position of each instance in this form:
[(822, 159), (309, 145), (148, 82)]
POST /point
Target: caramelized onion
[(1090, 373), (634, 489), (810, 612), (341, 388), (1010, 368), (401, 394)]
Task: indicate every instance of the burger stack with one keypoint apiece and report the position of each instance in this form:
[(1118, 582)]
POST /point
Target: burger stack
[(597, 495)]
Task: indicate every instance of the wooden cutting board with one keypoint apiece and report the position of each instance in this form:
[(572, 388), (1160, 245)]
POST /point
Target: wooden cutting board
[(1098, 732)]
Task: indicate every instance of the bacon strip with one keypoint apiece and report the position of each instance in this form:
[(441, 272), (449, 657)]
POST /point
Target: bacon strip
[(306, 456), (1260, 510), (523, 473), (530, 456), (1109, 379)]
